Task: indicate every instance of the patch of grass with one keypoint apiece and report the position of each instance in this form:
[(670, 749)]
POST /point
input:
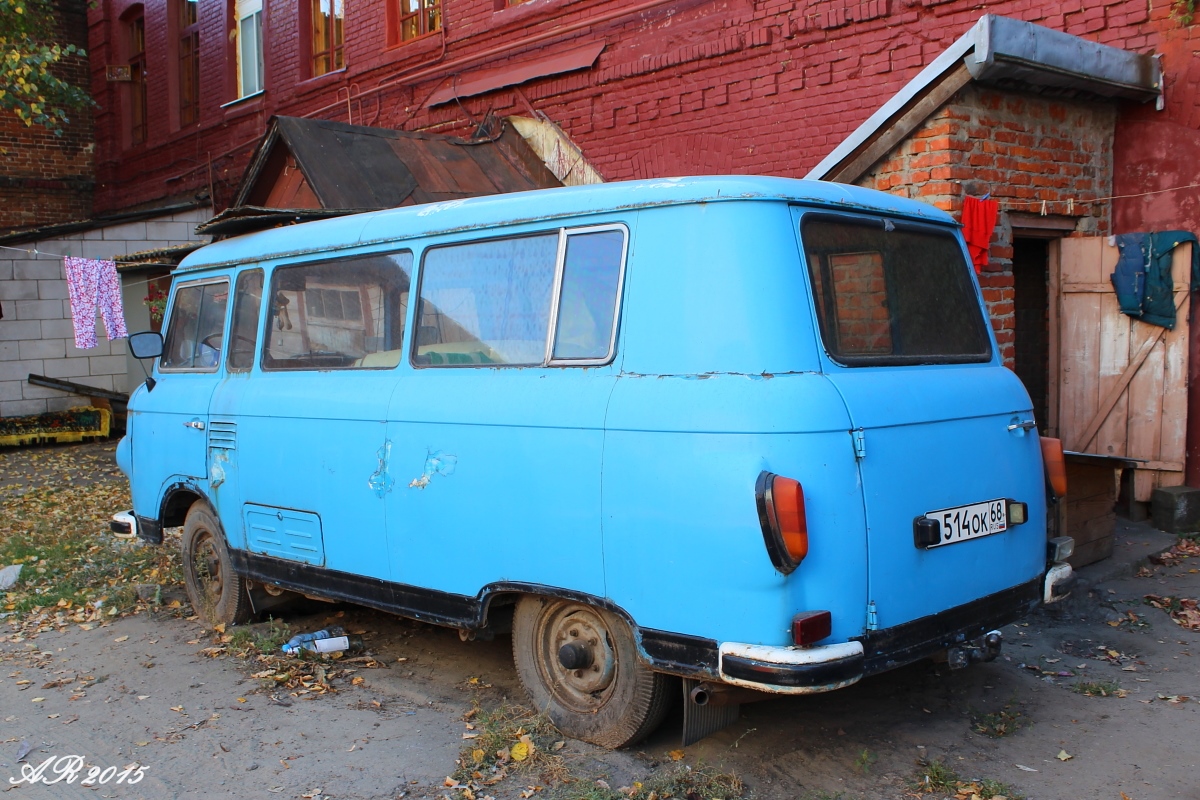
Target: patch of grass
[(266, 638), (689, 783), (999, 724), (509, 739), (1099, 689), (936, 778), (73, 565)]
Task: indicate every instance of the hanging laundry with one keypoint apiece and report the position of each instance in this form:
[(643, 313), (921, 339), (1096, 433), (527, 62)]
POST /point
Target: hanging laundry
[(979, 220), (1143, 282), (93, 284)]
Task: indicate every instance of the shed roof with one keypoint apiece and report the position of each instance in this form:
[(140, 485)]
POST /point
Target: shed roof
[(352, 168)]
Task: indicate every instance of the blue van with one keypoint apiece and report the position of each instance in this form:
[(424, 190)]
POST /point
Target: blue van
[(748, 432)]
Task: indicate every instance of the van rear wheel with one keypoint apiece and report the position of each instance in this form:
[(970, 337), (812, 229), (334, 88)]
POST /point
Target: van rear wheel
[(217, 593), (579, 664)]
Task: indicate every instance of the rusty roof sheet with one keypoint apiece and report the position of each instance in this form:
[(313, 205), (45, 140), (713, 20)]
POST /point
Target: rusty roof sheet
[(359, 168)]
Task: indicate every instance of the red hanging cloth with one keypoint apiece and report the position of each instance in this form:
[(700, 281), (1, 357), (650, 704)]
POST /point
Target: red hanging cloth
[(979, 220)]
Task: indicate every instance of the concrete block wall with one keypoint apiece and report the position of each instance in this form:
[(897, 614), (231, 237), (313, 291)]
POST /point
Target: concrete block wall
[(36, 333), (1023, 150)]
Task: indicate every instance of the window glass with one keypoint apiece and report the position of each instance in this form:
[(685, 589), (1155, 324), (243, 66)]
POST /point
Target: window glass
[(343, 314), (243, 333), (249, 47), (189, 61), (194, 333), (588, 298), (487, 302), (327, 36), (892, 293), (417, 18)]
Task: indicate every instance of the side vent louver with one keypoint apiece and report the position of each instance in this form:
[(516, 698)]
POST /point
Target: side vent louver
[(222, 435)]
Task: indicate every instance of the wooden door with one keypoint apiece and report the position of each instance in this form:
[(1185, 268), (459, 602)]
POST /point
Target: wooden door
[(1121, 384)]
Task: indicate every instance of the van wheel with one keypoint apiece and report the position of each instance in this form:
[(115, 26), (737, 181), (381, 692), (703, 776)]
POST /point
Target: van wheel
[(579, 664), (217, 593)]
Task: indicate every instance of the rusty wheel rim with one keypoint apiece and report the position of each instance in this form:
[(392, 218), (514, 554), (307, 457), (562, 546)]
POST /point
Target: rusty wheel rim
[(206, 567), (585, 689)]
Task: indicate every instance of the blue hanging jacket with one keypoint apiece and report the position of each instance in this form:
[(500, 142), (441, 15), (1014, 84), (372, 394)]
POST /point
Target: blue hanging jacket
[(1129, 278), (1142, 279)]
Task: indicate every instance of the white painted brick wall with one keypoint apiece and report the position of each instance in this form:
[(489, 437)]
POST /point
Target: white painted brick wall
[(36, 333)]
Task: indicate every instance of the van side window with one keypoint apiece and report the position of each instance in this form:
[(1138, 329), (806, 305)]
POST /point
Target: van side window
[(525, 301), (343, 314), (487, 302), (243, 333), (892, 293), (194, 333), (587, 301)]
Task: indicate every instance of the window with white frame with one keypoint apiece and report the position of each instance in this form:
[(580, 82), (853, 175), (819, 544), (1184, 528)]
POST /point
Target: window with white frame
[(248, 16)]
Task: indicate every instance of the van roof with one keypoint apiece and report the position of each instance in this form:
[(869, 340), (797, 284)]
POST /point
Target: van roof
[(516, 208)]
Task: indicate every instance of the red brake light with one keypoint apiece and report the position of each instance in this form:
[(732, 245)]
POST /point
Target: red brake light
[(781, 514), (810, 627)]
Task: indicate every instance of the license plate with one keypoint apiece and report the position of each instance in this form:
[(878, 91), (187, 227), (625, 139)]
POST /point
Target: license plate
[(970, 522)]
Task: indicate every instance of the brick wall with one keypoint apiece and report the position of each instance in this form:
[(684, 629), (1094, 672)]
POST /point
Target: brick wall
[(46, 178), (681, 87), (36, 334), (1026, 151)]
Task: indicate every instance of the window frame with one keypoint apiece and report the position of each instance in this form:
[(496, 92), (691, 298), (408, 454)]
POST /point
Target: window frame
[(170, 316), (548, 360), (189, 33), (397, 15), (269, 288), (256, 9), (899, 224), (135, 28), (233, 309), (333, 51)]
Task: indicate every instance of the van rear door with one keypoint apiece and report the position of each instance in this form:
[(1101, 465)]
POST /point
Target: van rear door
[(942, 431)]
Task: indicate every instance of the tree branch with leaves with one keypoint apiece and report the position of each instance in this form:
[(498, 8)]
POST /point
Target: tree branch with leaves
[(29, 85)]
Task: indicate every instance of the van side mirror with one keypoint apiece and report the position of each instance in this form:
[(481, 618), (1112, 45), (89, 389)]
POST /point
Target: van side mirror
[(146, 344)]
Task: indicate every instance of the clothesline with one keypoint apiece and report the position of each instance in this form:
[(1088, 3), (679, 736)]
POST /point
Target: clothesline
[(60, 256)]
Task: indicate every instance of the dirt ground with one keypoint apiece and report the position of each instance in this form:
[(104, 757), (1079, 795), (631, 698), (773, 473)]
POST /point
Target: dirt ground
[(141, 690)]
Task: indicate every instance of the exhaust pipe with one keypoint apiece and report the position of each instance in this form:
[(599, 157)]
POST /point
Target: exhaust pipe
[(722, 694)]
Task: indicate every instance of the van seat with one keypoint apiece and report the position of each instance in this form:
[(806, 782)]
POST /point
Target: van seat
[(384, 358)]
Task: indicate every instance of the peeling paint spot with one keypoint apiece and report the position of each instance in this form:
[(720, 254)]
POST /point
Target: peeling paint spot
[(436, 463), (443, 206), (216, 471), (380, 481)]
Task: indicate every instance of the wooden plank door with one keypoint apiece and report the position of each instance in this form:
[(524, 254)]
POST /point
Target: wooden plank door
[(1121, 383)]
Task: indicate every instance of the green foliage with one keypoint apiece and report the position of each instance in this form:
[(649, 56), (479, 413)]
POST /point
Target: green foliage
[(29, 87), (1184, 11)]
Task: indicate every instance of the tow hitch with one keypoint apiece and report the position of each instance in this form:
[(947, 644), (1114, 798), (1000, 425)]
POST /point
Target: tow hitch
[(985, 648)]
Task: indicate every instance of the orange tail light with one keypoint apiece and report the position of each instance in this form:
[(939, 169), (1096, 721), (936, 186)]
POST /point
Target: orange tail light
[(1056, 465), (781, 513)]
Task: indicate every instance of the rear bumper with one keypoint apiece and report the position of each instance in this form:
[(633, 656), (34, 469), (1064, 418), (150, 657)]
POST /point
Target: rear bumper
[(791, 670), (808, 670)]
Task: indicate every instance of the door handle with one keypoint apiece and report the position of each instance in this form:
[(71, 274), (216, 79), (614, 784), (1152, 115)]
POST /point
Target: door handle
[(197, 424), (1027, 425)]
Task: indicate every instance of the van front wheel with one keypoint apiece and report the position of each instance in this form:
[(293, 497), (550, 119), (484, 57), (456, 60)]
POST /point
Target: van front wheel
[(579, 664), (217, 593)]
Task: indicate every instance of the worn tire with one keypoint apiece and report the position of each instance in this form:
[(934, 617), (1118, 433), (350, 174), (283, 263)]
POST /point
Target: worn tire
[(217, 593), (615, 701)]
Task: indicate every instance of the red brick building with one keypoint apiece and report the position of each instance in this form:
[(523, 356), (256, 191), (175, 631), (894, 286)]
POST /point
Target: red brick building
[(47, 178)]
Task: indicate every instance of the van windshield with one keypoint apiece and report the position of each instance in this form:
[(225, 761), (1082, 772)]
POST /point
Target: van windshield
[(892, 293)]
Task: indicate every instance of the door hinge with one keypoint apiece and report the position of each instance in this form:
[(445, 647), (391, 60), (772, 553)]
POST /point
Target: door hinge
[(872, 617), (860, 443)]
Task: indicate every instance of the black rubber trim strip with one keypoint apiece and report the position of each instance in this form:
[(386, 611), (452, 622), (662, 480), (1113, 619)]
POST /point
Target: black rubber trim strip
[(680, 653), (149, 530), (903, 644), (824, 673)]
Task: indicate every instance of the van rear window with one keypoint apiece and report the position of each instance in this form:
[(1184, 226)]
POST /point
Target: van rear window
[(892, 293)]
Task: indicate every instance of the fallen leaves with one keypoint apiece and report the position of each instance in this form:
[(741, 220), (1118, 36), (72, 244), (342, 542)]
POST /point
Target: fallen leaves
[(1184, 549), (1063, 755), (1184, 611)]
